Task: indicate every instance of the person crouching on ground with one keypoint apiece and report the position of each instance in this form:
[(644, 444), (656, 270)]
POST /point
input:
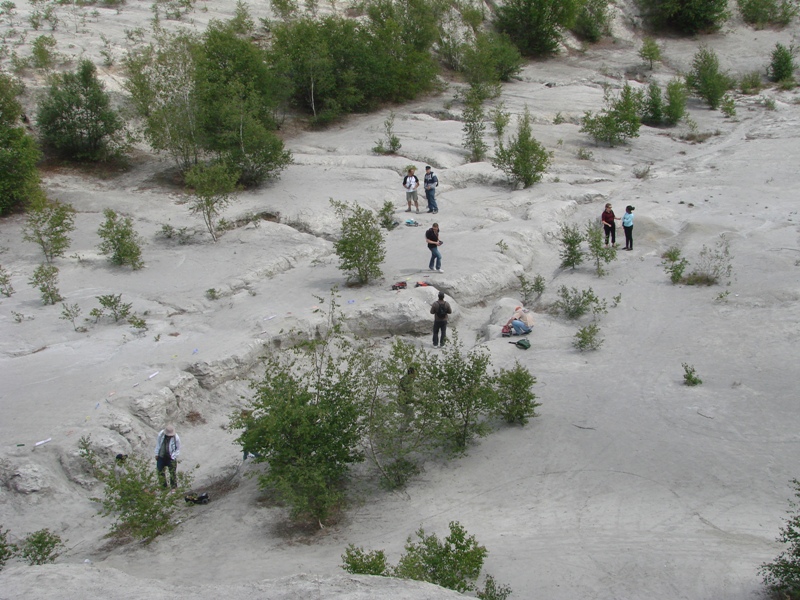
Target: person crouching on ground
[(168, 447), (521, 321)]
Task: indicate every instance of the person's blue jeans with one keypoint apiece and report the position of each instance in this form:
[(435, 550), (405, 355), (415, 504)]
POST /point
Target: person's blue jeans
[(436, 258), (431, 197), (520, 327)]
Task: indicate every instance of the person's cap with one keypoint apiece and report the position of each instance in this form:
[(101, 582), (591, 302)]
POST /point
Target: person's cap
[(630, 208), (441, 295), (428, 168), (169, 430)]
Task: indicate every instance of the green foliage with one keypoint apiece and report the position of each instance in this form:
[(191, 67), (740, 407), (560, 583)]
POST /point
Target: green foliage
[(690, 377), (750, 83), (355, 560), (593, 21), (781, 67), (113, 303), (42, 55), (674, 264), (386, 216), (650, 51), (76, 119), (5, 283), (653, 106), (618, 121), (574, 303), (675, 108), (361, 248), (7, 549), (41, 547), (686, 16), (587, 338), (706, 79), (70, 312), (491, 58), (531, 290), (213, 185), (391, 143), (516, 402), (133, 496), (492, 590), (782, 575), (474, 125), (49, 224), (453, 563), (524, 160), (728, 106), (535, 26), (45, 277), (599, 253), (499, 119), (120, 240), (137, 323), (571, 238), (712, 265), (768, 12)]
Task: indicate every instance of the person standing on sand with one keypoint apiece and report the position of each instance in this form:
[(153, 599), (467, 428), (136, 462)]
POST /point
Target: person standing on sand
[(431, 183), (609, 226), (627, 225), (168, 447), (440, 309), (433, 241), (410, 184)]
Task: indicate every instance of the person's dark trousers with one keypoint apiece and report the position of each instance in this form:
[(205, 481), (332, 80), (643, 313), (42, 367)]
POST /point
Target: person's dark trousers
[(439, 326), (172, 467), (628, 236), (610, 231)]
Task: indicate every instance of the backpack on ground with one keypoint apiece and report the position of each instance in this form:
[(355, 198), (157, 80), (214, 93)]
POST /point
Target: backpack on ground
[(523, 343), (441, 311)]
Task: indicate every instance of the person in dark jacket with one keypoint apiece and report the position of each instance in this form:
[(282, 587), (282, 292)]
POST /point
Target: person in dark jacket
[(440, 309), (431, 182), (168, 447), (433, 241)]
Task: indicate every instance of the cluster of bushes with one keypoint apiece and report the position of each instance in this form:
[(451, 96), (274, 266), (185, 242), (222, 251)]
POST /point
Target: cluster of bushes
[(38, 548), (332, 403), (712, 266)]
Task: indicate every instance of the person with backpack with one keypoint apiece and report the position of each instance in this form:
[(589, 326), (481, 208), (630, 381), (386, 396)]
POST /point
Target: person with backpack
[(431, 182), (521, 321), (440, 309), (168, 447), (433, 241), (410, 184)]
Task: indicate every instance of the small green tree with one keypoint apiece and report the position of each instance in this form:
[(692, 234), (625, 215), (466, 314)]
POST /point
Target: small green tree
[(516, 402), (571, 239), (587, 338), (5, 283), (593, 21), (474, 125), (359, 562), (531, 290), (120, 240), (76, 119), (45, 277), (41, 547), (690, 377), (675, 108), (574, 303), (362, 247), (618, 121), (598, 251), (706, 79), (70, 312), (781, 67), (650, 52), (49, 224), (536, 26), (782, 575), (653, 106), (213, 186), (391, 143), (524, 160), (674, 264)]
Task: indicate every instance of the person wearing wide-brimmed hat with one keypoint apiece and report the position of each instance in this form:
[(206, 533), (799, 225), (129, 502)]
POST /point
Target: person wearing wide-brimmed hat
[(168, 447)]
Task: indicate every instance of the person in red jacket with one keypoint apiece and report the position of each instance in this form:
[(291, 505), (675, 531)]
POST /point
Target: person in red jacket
[(608, 218)]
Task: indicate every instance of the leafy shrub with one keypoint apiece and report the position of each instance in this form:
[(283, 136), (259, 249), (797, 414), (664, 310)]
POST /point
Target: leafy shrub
[(45, 277), (768, 12), (650, 51), (386, 216), (355, 560), (213, 186), (492, 57), (76, 119), (712, 265), (690, 377), (593, 21), (571, 238), (652, 109), (706, 79), (516, 402), (574, 303), (675, 109), (782, 575), (49, 224), (674, 264), (5, 283), (524, 160), (134, 497), (361, 247), (781, 66), (617, 122), (70, 312), (42, 55), (391, 143), (7, 549), (587, 338), (113, 303), (492, 590), (750, 83), (474, 125), (531, 290), (453, 563), (41, 547), (686, 16), (598, 251), (535, 26), (728, 106), (120, 240)]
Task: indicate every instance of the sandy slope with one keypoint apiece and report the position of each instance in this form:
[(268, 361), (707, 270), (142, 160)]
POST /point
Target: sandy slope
[(629, 484)]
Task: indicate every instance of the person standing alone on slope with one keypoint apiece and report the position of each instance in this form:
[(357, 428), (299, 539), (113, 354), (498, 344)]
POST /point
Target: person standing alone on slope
[(433, 241), (440, 309)]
